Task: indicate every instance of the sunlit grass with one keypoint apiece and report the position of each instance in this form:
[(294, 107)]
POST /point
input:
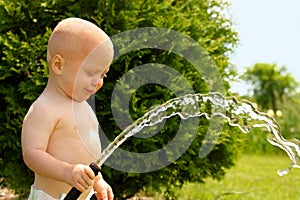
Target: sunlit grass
[(254, 177)]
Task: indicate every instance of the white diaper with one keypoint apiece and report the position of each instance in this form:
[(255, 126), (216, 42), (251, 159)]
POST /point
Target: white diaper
[(88, 197), (36, 194)]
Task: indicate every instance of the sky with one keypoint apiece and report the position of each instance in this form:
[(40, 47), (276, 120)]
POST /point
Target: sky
[(269, 32)]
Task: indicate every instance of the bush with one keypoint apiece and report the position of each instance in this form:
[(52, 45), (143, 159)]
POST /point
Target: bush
[(25, 29)]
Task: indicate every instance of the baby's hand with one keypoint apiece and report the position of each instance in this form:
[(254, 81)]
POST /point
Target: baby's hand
[(102, 190), (81, 177)]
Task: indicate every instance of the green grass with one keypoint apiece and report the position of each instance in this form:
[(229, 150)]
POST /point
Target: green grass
[(254, 177)]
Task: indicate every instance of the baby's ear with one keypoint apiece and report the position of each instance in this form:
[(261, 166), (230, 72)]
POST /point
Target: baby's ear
[(57, 64)]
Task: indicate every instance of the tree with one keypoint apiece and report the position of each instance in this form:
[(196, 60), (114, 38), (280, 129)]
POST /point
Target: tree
[(271, 83), (275, 90), (25, 29)]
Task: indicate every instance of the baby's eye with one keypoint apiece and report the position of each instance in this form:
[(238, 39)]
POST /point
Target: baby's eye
[(103, 76), (91, 73)]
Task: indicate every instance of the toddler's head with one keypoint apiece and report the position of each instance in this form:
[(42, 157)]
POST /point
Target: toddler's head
[(79, 55)]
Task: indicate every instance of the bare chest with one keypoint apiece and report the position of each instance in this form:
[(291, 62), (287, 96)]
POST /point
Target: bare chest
[(75, 139)]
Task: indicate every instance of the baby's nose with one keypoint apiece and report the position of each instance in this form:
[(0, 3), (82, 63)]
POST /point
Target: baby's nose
[(96, 81)]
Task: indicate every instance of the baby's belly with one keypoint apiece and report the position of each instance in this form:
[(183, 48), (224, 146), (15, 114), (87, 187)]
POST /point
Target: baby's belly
[(71, 151), (75, 145)]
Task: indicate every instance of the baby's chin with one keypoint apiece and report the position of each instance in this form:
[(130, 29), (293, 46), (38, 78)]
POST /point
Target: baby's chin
[(80, 99)]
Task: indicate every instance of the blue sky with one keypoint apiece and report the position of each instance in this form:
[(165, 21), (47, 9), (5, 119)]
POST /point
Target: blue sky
[(269, 31)]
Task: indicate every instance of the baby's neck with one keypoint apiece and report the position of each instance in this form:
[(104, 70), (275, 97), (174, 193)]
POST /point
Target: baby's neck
[(52, 90)]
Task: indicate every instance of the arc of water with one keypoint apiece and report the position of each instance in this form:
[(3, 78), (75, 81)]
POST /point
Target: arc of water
[(241, 114)]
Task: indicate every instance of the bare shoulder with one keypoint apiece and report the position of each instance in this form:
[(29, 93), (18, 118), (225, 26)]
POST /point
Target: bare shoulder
[(38, 124), (40, 109), (42, 116)]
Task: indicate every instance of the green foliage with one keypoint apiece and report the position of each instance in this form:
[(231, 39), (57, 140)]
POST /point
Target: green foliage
[(271, 84), (23, 72), (258, 144), (274, 89), (25, 29), (289, 121)]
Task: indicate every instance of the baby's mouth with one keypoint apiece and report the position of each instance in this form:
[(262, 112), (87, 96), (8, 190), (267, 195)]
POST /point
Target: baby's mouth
[(89, 91)]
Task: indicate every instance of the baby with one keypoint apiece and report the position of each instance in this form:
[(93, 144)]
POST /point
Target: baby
[(60, 131)]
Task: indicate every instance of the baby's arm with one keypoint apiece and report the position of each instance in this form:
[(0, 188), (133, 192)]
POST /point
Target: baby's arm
[(38, 125)]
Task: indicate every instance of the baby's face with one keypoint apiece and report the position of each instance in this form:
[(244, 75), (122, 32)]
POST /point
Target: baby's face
[(88, 78)]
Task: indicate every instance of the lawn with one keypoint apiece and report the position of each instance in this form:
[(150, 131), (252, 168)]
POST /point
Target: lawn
[(254, 177)]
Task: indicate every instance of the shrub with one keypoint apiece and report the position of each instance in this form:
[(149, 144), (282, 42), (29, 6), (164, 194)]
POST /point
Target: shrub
[(25, 29)]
